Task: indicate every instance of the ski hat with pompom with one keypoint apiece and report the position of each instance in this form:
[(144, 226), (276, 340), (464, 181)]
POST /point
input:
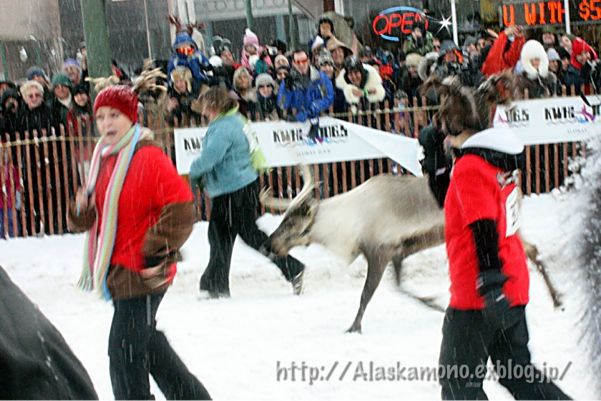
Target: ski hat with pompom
[(250, 38)]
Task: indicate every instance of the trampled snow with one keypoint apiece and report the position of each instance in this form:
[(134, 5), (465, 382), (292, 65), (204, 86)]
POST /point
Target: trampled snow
[(243, 347)]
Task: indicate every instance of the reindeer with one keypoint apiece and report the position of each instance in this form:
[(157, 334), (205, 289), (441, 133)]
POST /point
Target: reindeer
[(387, 219)]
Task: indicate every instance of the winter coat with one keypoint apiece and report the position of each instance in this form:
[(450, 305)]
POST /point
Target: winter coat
[(36, 119), (371, 81), (537, 88), (483, 189), (11, 183), (467, 75), (308, 99), (9, 118), (224, 166), (411, 46), (503, 54), (582, 75), (155, 218), (339, 105), (267, 108), (35, 360), (196, 62), (573, 77), (410, 85), (183, 108), (59, 113), (247, 103)]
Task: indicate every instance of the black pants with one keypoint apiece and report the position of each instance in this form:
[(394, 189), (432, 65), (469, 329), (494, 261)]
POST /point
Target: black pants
[(137, 348), (231, 215), (467, 343)]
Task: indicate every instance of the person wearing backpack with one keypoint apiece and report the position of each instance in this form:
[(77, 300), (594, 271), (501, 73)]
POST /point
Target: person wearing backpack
[(227, 169)]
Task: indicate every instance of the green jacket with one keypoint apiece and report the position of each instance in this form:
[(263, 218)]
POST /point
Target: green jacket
[(411, 47)]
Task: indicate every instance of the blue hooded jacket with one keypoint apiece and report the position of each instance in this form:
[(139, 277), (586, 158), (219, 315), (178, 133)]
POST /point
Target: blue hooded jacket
[(309, 102), (197, 62)]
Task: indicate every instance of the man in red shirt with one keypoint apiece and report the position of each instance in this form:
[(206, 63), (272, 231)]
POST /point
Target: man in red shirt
[(487, 263)]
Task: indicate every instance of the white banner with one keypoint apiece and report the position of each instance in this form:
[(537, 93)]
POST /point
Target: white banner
[(288, 144), (552, 120)]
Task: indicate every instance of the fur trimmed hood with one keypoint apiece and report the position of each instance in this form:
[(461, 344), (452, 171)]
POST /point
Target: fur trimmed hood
[(373, 81), (534, 49)]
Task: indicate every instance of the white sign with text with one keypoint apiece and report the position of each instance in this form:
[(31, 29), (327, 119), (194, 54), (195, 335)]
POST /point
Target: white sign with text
[(288, 144)]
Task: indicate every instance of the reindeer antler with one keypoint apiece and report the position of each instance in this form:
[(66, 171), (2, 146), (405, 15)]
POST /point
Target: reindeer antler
[(284, 204), (189, 27), (147, 81), (103, 82), (175, 21)]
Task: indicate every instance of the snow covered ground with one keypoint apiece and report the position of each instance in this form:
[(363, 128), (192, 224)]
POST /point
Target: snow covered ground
[(235, 346)]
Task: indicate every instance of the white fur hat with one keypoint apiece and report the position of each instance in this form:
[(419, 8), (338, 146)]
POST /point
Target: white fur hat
[(534, 49)]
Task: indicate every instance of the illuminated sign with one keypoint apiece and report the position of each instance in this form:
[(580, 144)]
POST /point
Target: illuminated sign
[(396, 23), (537, 13)]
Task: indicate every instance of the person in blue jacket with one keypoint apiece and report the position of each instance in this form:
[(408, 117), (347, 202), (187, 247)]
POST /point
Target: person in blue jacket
[(186, 54), (225, 171), (306, 92)]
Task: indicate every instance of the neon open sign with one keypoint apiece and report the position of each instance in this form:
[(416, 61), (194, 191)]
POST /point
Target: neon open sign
[(397, 22)]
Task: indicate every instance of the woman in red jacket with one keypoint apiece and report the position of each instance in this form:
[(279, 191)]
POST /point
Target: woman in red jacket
[(486, 316), (138, 212)]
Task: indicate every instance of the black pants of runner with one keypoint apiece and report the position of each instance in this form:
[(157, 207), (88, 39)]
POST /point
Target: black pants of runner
[(137, 349), (235, 214), (467, 342)]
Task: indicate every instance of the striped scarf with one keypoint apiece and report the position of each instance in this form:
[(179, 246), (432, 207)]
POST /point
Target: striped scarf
[(101, 237)]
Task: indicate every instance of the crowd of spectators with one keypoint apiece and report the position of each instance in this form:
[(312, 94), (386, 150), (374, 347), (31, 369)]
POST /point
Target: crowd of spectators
[(271, 82)]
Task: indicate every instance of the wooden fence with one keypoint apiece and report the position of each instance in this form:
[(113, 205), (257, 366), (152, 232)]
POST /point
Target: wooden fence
[(42, 170)]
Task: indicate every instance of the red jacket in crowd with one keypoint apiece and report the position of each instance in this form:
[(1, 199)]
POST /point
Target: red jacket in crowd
[(499, 59)]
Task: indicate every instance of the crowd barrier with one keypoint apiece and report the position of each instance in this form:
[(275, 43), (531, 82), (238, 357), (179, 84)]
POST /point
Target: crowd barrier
[(42, 170)]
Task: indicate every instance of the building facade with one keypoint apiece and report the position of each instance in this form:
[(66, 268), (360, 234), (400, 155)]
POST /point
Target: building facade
[(30, 34)]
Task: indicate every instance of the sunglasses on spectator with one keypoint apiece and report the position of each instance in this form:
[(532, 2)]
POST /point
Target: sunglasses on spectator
[(264, 86), (34, 95), (185, 50), (302, 61)]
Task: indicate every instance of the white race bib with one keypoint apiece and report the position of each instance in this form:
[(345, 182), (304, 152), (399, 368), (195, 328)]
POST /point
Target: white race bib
[(512, 212)]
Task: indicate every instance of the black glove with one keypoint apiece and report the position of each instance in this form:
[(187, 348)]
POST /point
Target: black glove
[(491, 279), (496, 306), (314, 130)]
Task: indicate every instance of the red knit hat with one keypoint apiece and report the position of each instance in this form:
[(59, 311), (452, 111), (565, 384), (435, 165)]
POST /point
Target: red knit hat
[(119, 97)]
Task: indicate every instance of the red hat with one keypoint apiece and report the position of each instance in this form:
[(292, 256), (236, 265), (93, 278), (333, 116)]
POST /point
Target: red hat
[(118, 97), (580, 46)]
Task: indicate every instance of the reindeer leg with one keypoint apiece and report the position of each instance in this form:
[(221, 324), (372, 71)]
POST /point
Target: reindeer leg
[(555, 295), (376, 264), (397, 262), (534, 256), (430, 302)]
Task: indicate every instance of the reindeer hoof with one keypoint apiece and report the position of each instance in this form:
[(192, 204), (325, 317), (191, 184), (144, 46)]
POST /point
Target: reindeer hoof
[(298, 283)]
